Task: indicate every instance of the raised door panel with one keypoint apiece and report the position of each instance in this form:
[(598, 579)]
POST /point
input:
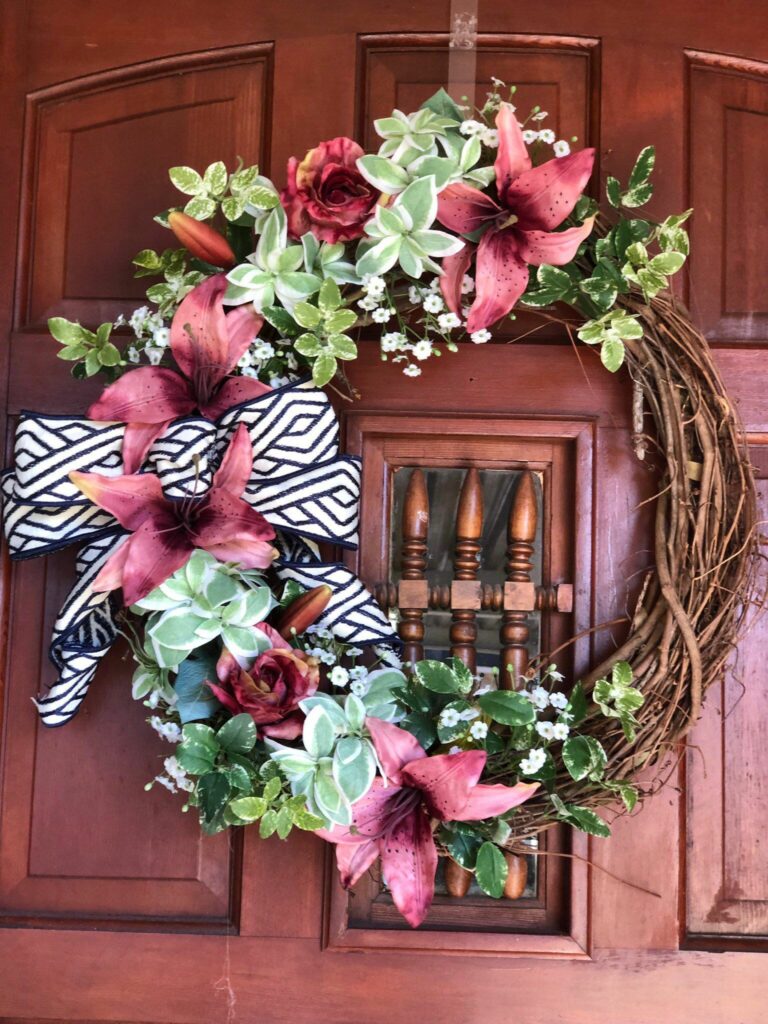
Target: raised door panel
[(97, 153), (728, 154)]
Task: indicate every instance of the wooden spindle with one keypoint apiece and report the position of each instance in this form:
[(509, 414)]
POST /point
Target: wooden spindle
[(517, 876), (457, 879), (415, 527), (469, 530), (521, 535)]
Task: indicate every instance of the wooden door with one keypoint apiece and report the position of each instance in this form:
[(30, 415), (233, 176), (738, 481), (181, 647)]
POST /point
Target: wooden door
[(112, 908)]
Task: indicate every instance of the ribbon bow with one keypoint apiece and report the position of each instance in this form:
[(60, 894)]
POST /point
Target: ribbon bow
[(300, 483)]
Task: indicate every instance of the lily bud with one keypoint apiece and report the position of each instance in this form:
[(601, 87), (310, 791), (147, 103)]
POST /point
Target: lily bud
[(301, 613), (201, 240)]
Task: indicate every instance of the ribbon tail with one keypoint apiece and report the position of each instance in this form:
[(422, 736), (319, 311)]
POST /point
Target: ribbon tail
[(84, 631)]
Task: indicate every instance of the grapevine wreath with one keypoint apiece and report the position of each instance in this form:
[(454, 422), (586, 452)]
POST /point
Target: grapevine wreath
[(205, 476)]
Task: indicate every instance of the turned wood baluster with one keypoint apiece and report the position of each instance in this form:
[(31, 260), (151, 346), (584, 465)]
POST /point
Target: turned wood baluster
[(469, 530), (521, 534), (415, 527)]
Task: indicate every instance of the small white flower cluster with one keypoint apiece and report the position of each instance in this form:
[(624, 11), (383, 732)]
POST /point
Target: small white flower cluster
[(438, 321), (151, 334), (476, 129), (450, 718), (175, 778), (545, 135), (376, 300), (550, 732), (167, 730), (260, 352)]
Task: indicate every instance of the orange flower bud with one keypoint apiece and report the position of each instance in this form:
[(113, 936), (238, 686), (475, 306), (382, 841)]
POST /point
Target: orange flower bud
[(301, 613), (201, 240)]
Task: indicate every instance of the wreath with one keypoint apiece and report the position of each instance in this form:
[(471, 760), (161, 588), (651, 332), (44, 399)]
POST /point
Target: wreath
[(206, 474)]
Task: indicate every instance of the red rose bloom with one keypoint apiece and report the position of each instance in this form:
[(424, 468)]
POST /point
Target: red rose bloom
[(270, 690), (326, 194)]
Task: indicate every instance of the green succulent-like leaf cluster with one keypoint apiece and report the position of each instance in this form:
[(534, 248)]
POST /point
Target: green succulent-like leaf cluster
[(91, 352), (338, 762), (325, 339), (201, 602), (179, 278), (244, 191)]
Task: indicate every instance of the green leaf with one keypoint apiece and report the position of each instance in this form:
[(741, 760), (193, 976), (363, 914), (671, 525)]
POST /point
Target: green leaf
[(319, 733), (508, 707), (309, 345), (553, 279), (462, 673), (268, 824), (200, 208), (577, 757), (194, 699), (309, 822), (324, 369), (421, 725), (420, 200), (215, 178), (643, 167), (70, 352), (613, 191), (354, 767), (436, 676), (637, 196), (450, 733), (249, 808), (440, 103), (464, 845), (187, 180), (387, 177), (262, 198), (612, 354), (213, 792), (109, 355), (339, 321), (307, 315), (587, 821), (342, 346), (491, 870), (621, 674), (273, 787), (328, 299), (238, 735), (66, 332), (232, 208), (667, 262)]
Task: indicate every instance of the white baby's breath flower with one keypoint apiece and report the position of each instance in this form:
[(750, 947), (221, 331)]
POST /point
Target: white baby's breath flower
[(498, 83), (382, 314), (471, 127), (558, 700), (546, 730), (120, 322), (561, 148), (447, 321), (164, 781), (161, 336), (138, 318), (467, 285), (422, 349), (433, 304), (538, 696), (480, 337), (251, 371), (244, 360), (534, 762), (154, 354), (414, 295), (529, 136), (547, 135), (449, 717), (490, 137), (339, 676), (374, 285), (542, 115), (132, 354), (279, 382), (560, 731), (359, 687), (262, 349), (368, 302), (412, 370), (478, 731), (393, 341)]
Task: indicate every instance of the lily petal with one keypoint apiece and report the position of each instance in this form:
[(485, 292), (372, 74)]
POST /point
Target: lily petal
[(489, 801), (199, 339), (243, 324), (155, 553), (555, 247), (395, 747), (110, 576), (232, 531), (512, 158), (130, 499), (446, 781), (354, 860), (151, 394), (408, 863), (501, 278), (237, 465), (232, 392), (137, 440), (454, 269), (464, 209), (544, 196)]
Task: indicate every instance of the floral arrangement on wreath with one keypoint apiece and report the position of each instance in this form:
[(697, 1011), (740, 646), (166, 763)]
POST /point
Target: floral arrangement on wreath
[(272, 673)]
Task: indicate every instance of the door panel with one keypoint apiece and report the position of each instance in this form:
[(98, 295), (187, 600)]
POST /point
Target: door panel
[(112, 907)]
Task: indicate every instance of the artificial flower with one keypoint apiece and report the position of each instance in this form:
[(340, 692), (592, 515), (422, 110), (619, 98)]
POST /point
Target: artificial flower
[(519, 228), (393, 820), (165, 532), (326, 194), (270, 689), (206, 344)]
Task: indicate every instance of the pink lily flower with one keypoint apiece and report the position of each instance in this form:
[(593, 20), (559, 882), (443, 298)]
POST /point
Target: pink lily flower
[(164, 533), (533, 201), (206, 344), (394, 819)]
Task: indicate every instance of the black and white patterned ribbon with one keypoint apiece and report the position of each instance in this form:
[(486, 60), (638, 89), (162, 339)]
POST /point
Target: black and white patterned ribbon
[(300, 483)]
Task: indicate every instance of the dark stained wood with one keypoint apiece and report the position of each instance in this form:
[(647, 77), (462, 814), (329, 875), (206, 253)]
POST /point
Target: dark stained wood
[(466, 563), (521, 535), (414, 564), (97, 100)]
